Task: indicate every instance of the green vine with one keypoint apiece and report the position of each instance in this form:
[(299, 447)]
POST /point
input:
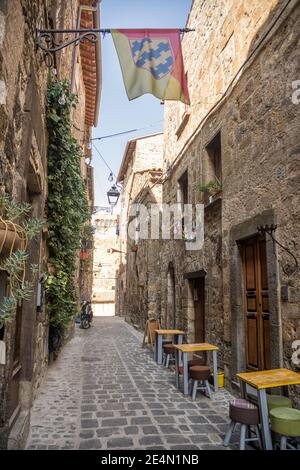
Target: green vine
[(67, 206)]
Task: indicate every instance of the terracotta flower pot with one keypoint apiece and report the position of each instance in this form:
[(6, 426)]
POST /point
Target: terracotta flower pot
[(84, 255), (9, 240)]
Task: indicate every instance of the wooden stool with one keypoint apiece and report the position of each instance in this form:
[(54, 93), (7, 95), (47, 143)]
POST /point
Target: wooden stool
[(200, 374), (191, 363), (286, 423), (243, 412), (169, 352), (196, 362)]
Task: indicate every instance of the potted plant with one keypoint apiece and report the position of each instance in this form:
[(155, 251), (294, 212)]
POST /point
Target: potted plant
[(12, 235), (212, 189), (14, 239), (84, 254)]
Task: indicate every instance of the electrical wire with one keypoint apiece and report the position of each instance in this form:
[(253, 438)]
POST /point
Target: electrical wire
[(127, 132), (103, 159)]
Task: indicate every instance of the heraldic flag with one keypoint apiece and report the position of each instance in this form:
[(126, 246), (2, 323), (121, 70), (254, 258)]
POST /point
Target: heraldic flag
[(151, 62)]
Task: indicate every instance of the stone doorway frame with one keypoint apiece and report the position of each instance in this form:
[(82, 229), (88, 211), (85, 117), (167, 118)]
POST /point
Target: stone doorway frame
[(239, 233), (190, 307), (171, 311)]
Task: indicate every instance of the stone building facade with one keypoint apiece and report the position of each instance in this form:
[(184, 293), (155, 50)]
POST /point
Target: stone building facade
[(106, 258), (23, 173), (241, 133), (137, 285)]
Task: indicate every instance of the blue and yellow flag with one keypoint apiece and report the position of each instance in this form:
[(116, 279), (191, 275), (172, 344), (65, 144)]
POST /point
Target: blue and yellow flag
[(151, 62)]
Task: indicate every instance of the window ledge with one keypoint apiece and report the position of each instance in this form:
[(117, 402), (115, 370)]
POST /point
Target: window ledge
[(185, 120)]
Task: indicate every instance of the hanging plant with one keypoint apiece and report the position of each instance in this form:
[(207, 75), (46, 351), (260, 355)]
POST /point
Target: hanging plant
[(213, 187), (14, 240), (67, 207)]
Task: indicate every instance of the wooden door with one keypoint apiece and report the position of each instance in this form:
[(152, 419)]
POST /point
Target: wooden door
[(199, 309), (256, 304)]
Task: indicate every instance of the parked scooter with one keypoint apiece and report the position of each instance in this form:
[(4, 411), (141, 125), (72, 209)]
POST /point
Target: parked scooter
[(86, 315)]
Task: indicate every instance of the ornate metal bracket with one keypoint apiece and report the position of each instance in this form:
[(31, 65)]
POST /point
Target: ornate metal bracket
[(288, 268), (101, 209), (46, 40)]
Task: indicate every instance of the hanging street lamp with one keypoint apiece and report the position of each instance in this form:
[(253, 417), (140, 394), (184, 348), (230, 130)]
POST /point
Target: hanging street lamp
[(113, 195)]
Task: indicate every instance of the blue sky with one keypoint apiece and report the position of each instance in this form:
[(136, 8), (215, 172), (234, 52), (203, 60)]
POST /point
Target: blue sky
[(117, 114)]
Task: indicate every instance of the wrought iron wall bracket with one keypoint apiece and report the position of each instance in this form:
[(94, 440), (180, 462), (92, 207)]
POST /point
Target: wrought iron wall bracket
[(288, 268), (46, 39)]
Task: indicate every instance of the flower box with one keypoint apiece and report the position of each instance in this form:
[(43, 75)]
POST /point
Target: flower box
[(10, 240)]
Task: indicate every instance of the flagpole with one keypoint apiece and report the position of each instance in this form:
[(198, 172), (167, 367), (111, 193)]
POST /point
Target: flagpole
[(45, 39), (105, 31)]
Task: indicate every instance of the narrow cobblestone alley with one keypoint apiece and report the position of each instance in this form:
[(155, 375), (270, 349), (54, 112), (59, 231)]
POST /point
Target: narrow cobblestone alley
[(106, 392)]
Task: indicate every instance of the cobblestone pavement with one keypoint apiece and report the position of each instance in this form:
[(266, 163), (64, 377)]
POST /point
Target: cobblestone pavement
[(106, 392)]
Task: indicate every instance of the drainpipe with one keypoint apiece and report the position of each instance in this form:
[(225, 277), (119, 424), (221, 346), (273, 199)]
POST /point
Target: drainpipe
[(96, 21)]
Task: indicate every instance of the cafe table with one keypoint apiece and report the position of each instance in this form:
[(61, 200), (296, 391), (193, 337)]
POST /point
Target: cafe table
[(159, 334), (185, 349), (261, 381)]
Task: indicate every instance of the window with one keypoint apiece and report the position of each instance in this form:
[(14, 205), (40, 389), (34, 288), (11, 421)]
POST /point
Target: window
[(183, 194), (212, 178), (214, 152)]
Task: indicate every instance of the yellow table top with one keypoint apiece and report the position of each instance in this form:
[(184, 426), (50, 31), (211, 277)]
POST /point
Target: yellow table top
[(270, 378), (169, 332), (196, 347)]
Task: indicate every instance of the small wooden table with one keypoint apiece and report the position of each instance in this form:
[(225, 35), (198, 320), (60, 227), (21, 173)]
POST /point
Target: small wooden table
[(261, 380), (158, 350), (189, 348)]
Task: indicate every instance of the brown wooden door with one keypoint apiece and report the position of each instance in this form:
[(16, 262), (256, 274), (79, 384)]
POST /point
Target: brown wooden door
[(199, 308), (256, 304)]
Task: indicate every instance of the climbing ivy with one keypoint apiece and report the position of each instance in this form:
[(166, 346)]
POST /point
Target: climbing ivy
[(67, 206)]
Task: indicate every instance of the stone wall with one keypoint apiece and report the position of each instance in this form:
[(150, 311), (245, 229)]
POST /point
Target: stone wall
[(23, 150), (23, 174), (260, 167), (241, 62), (105, 259), (227, 32), (138, 292)]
